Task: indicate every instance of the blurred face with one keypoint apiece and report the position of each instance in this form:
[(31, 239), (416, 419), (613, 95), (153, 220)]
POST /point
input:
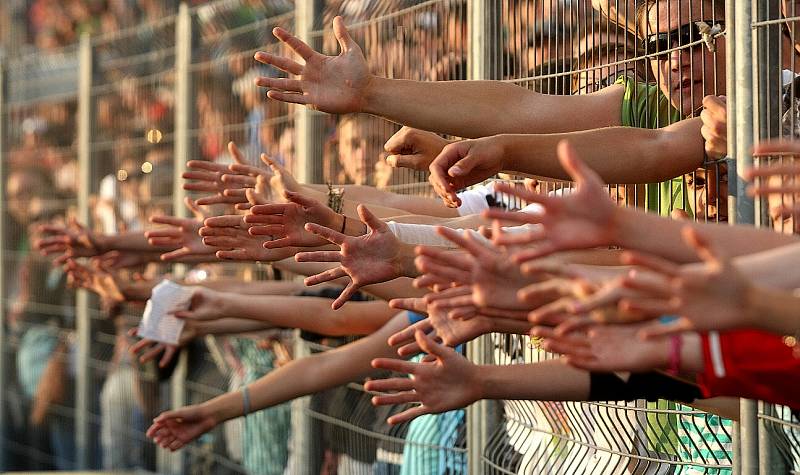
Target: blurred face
[(356, 154), (688, 74), (708, 189), (23, 205)]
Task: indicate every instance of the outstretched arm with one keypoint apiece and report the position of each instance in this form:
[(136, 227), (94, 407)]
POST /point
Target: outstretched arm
[(342, 84), (174, 429), (306, 313)]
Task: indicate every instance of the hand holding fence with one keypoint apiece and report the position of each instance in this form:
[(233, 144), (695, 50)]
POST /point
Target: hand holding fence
[(715, 126), (334, 84)]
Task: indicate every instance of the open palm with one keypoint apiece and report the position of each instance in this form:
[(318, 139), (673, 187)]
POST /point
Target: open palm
[(334, 84), (368, 259)]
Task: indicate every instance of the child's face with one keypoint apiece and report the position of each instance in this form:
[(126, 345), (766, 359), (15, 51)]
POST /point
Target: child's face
[(708, 190)]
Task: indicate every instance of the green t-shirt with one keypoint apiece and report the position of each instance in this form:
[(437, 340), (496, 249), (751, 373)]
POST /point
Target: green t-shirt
[(644, 106)]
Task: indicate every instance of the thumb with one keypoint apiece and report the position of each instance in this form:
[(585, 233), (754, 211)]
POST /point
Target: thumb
[(413, 161), (464, 165), (429, 346), (346, 42), (370, 219), (300, 199)]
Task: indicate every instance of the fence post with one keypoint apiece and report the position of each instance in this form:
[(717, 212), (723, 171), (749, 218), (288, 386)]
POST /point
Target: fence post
[(766, 124), (173, 462), (484, 45), (3, 293), (742, 42), (83, 319), (309, 123)]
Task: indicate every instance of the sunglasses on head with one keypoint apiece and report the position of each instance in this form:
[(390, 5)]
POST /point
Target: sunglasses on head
[(683, 35)]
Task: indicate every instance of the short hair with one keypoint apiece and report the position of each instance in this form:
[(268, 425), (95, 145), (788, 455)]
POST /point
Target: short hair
[(643, 8)]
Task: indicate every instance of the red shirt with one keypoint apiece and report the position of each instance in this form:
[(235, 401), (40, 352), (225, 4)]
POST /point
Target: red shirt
[(750, 364)]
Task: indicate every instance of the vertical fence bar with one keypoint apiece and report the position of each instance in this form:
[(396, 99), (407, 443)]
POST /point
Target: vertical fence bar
[(766, 124), (483, 51), (3, 293), (173, 462), (83, 322), (308, 123), (742, 42)]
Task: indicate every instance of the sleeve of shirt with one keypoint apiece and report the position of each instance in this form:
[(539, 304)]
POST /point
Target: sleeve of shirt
[(751, 364)]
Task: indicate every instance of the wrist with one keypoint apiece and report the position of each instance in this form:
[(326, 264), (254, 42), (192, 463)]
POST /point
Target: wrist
[(480, 381), (405, 260), (222, 408), (101, 242), (371, 96), (502, 142)]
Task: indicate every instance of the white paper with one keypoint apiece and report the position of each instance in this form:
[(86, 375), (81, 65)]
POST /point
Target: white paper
[(157, 322)]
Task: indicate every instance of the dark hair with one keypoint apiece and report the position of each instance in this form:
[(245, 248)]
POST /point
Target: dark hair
[(643, 8)]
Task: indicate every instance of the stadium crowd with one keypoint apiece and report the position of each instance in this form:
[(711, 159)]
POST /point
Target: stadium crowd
[(642, 287)]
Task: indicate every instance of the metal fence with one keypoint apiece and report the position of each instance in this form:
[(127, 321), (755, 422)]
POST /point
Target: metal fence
[(102, 130)]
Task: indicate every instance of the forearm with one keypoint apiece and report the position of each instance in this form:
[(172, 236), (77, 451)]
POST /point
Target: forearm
[(309, 313), (482, 108), (127, 241), (309, 375), (550, 380), (263, 287), (777, 311), (411, 204), (651, 233), (231, 326), (619, 155)]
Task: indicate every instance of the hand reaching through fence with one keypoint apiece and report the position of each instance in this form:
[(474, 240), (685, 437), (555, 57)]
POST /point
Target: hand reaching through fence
[(778, 181), (172, 430), (599, 349), (207, 177), (254, 182), (414, 148), (205, 304), (285, 222), (334, 84), (712, 296), (97, 279), (372, 258), (68, 241), (438, 386), (148, 350), (181, 234), (229, 236), (580, 220)]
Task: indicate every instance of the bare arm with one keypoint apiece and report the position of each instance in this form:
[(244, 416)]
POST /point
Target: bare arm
[(618, 154), (343, 84), (307, 313), (483, 108)]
